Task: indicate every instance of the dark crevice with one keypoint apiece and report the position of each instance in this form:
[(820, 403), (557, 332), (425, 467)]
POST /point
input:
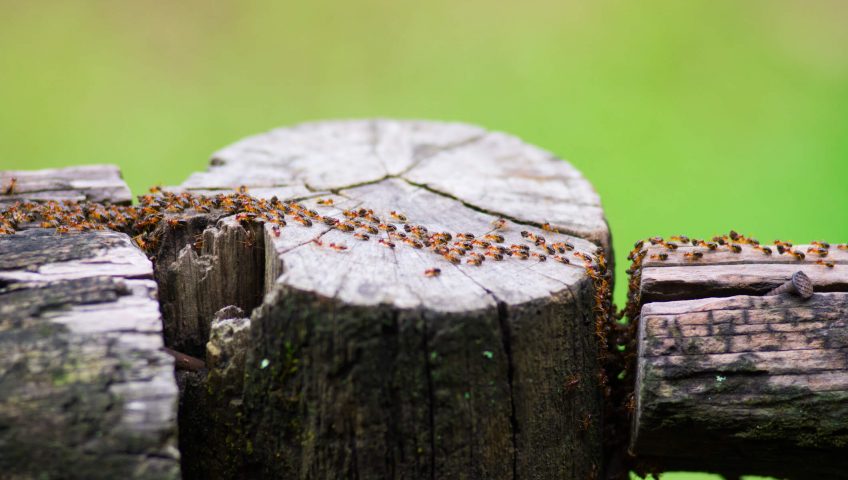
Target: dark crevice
[(431, 397), (476, 208), (506, 339), (418, 159), (503, 319), (227, 269)]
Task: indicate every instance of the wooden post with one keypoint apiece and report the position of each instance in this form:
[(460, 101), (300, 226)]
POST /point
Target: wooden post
[(85, 390), (736, 382), (360, 365)]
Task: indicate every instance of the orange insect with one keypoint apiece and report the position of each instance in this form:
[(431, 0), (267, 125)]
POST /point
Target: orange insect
[(499, 224), (12, 185), (302, 220), (826, 264), (693, 255), (432, 272), (475, 259), (562, 259)]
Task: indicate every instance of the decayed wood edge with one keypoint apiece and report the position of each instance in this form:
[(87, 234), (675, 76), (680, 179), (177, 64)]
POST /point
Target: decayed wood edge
[(744, 385), (94, 183), (206, 263), (87, 393), (724, 273)]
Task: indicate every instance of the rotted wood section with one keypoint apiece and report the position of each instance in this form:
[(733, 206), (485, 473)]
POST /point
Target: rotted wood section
[(743, 384)]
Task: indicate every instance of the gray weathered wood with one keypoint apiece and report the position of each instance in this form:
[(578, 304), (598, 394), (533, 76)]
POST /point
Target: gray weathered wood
[(85, 391), (744, 385), (360, 365), (723, 273), (95, 183), (486, 170)]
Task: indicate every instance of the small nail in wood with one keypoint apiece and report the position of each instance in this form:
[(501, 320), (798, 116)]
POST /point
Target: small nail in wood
[(800, 285)]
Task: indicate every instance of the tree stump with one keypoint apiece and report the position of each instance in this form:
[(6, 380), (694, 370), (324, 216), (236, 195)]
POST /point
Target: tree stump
[(85, 391), (742, 384), (360, 365)]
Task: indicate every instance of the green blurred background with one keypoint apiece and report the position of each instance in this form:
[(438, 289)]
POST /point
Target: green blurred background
[(688, 116)]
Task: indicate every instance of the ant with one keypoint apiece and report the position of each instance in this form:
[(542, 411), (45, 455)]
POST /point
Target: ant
[(693, 255), (499, 224), (12, 185), (433, 272)]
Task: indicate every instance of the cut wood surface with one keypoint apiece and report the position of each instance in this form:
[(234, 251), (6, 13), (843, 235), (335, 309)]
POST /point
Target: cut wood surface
[(361, 365), (724, 273), (745, 385), (489, 171), (85, 390), (96, 183)]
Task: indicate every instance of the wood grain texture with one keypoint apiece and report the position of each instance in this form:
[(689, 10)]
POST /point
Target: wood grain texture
[(486, 170), (85, 391), (95, 183), (745, 385), (724, 273), (362, 366)]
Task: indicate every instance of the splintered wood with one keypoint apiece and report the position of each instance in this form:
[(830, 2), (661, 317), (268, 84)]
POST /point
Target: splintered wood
[(756, 384)]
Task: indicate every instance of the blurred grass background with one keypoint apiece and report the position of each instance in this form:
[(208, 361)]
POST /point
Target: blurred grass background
[(689, 117)]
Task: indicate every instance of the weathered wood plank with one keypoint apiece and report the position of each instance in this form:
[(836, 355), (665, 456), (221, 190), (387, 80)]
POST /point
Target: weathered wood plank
[(95, 183), (756, 385), (724, 273), (85, 391), (361, 365)]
